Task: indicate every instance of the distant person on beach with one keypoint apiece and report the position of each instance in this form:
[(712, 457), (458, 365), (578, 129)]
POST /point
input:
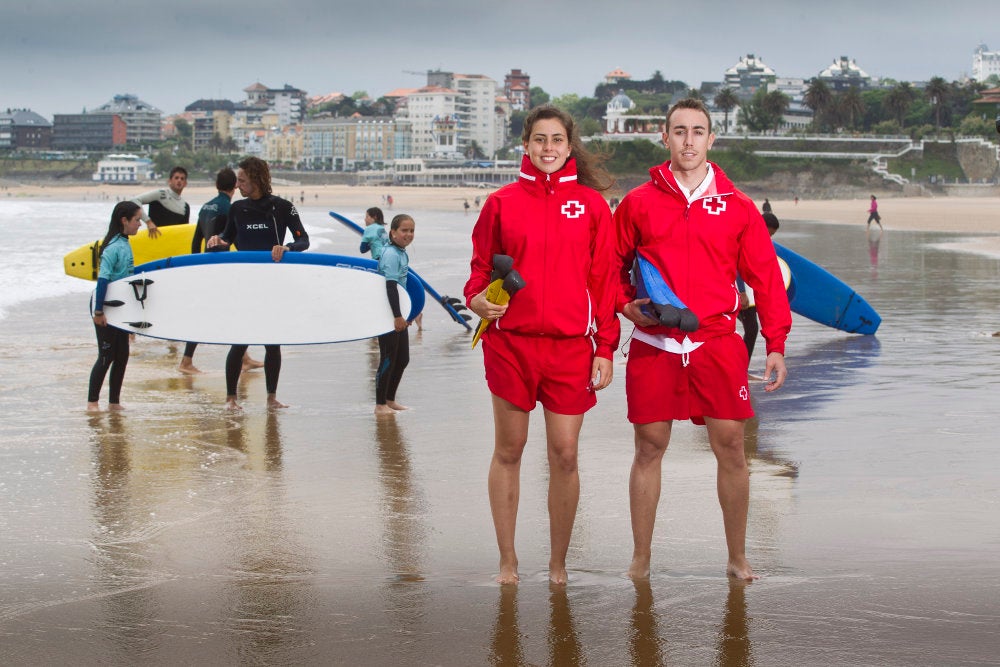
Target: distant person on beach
[(375, 238), (259, 222), (873, 214), (112, 344), (553, 342), (698, 231), (394, 346), (466, 206), (212, 220), (748, 313), (166, 207), (766, 208)]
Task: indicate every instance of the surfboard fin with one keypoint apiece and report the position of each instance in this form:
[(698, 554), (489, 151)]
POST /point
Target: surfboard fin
[(113, 303), (139, 325), (140, 294)]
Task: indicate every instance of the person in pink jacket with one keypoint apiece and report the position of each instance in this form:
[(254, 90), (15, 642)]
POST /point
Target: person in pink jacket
[(698, 231), (553, 342)]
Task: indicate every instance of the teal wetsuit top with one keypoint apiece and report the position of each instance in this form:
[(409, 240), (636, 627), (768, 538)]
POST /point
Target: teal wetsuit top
[(374, 239), (116, 262), (394, 265)]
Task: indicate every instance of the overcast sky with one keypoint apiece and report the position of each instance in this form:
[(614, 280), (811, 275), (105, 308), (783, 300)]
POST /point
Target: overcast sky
[(61, 57)]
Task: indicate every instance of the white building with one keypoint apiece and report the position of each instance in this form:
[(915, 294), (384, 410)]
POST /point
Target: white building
[(985, 63), (124, 168), (476, 108), (433, 115)]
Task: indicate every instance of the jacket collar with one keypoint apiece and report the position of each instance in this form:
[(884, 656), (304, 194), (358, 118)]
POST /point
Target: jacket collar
[(663, 178), (531, 178)]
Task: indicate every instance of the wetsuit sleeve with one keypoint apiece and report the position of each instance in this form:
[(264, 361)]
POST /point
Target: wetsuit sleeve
[(196, 240), (602, 281), (485, 244), (300, 239), (365, 247), (228, 235), (626, 241), (758, 266), (146, 198), (100, 293), (392, 291)]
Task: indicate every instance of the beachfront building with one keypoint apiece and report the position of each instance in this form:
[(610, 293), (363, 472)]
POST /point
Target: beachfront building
[(748, 76), (284, 146), (620, 119), (358, 142), (433, 116), (23, 129), (517, 89), (617, 76), (844, 74), (985, 63), (124, 168), (142, 120), (211, 119), (88, 131)]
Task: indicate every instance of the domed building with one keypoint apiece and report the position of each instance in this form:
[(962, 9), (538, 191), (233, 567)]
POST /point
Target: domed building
[(844, 74), (618, 120)]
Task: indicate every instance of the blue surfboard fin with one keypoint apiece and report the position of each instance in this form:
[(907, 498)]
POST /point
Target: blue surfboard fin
[(668, 308)]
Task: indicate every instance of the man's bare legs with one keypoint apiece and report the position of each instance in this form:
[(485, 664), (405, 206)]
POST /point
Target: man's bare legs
[(510, 425), (733, 483), (562, 435), (651, 442)]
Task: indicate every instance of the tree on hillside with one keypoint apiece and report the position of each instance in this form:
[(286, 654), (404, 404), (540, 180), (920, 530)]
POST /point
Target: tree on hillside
[(937, 93), (538, 96), (726, 100), (819, 98), (851, 107), (776, 103), (898, 102)]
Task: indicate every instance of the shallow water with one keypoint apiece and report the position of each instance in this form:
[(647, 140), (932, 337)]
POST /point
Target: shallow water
[(175, 533)]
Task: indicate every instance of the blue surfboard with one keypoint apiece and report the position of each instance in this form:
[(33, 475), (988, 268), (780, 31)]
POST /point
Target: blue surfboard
[(824, 298), (451, 305), (248, 298)]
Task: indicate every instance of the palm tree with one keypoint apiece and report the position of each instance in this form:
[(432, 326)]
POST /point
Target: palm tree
[(898, 101), (726, 100), (819, 98), (775, 105), (851, 106), (937, 92)]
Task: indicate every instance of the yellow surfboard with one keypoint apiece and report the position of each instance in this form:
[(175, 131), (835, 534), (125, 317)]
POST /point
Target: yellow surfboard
[(173, 240)]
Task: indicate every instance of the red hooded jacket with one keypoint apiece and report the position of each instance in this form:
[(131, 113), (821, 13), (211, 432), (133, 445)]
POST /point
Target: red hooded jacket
[(561, 237), (699, 248)]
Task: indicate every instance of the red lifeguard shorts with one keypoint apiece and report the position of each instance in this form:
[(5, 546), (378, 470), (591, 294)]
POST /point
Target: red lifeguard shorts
[(659, 387), (528, 369)]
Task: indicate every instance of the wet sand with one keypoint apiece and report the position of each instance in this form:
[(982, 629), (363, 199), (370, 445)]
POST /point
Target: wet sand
[(177, 533)]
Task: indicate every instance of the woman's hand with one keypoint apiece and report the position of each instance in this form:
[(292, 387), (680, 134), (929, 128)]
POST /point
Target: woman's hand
[(633, 311), (486, 310), (399, 323), (100, 319)]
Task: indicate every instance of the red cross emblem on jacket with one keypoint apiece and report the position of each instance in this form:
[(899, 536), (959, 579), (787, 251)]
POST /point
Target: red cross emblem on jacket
[(714, 205), (573, 209)]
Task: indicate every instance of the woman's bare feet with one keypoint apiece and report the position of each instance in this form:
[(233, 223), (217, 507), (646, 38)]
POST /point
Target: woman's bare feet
[(273, 403), (639, 568), (115, 407), (384, 410), (558, 575), (250, 364), (740, 569), (93, 407), (508, 573), (232, 405), (396, 406)]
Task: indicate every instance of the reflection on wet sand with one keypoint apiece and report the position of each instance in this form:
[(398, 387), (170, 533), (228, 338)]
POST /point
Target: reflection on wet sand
[(734, 645), (564, 643), (645, 646), (505, 647)]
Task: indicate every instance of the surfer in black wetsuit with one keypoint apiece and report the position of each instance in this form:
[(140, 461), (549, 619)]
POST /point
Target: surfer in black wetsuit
[(259, 222)]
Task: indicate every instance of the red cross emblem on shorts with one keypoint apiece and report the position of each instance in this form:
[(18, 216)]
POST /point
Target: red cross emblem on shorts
[(744, 394), (714, 205), (573, 209)]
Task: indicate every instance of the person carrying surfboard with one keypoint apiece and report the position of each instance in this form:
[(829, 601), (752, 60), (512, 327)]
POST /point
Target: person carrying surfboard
[(112, 343), (259, 221), (394, 346), (692, 224), (553, 343)]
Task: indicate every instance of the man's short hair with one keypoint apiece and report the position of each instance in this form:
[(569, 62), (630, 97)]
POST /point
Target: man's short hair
[(225, 180), (691, 103), (178, 170)]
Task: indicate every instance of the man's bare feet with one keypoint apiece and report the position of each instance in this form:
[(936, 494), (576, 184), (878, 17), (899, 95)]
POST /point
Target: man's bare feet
[(740, 569), (250, 364), (116, 407), (508, 573), (93, 407), (396, 406), (232, 405), (639, 568), (187, 367), (273, 403), (384, 410)]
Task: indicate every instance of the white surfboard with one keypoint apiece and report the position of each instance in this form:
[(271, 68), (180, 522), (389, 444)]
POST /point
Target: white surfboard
[(247, 298), (786, 275)]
